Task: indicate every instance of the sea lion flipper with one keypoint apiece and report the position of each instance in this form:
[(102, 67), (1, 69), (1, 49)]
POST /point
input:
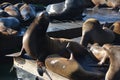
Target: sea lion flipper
[(17, 54), (14, 54)]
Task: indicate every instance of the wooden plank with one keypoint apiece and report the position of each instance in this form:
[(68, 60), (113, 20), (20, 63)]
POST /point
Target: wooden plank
[(31, 67)]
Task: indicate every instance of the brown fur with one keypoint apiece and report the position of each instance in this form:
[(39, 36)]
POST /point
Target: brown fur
[(98, 51), (113, 3), (70, 68), (12, 11), (116, 27), (98, 2), (39, 45), (114, 69), (92, 32)]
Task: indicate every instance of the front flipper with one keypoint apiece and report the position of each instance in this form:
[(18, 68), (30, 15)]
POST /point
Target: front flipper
[(16, 54)]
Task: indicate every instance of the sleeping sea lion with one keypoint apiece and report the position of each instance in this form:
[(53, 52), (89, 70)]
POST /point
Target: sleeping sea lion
[(27, 12), (12, 11), (114, 55), (92, 32), (70, 68), (10, 22), (4, 4), (69, 9), (7, 31), (39, 45)]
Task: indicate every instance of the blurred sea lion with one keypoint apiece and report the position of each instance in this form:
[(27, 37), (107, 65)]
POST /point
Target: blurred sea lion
[(67, 10), (113, 51), (92, 32)]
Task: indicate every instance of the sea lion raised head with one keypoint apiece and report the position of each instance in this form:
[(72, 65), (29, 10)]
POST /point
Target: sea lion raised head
[(70, 68), (92, 32), (114, 55)]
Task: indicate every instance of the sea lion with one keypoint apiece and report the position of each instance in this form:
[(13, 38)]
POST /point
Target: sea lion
[(114, 56), (92, 32), (3, 13), (27, 12), (39, 45), (69, 9), (4, 4), (18, 5), (70, 68), (7, 31), (116, 29), (10, 22), (12, 11), (113, 3), (97, 3), (99, 53)]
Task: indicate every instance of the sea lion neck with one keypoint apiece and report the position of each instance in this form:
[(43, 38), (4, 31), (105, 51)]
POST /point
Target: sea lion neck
[(40, 23)]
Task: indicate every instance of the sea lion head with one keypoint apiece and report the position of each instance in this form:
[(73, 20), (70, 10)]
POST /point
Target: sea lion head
[(91, 24), (42, 19)]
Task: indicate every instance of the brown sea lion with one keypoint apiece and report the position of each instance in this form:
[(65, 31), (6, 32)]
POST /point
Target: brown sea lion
[(39, 45), (92, 32), (70, 68), (7, 31), (27, 12), (10, 22), (98, 2), (113, 72), (116, 29), (12, 11), (4, 4), (113, 3)]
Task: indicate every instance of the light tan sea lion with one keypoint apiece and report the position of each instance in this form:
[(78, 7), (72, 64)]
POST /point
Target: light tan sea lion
[(99, 53), (92, 32), (70, 68), (113, 72)]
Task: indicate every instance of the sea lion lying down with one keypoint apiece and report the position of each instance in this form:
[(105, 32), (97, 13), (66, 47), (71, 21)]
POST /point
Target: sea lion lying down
[(70, 68)]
